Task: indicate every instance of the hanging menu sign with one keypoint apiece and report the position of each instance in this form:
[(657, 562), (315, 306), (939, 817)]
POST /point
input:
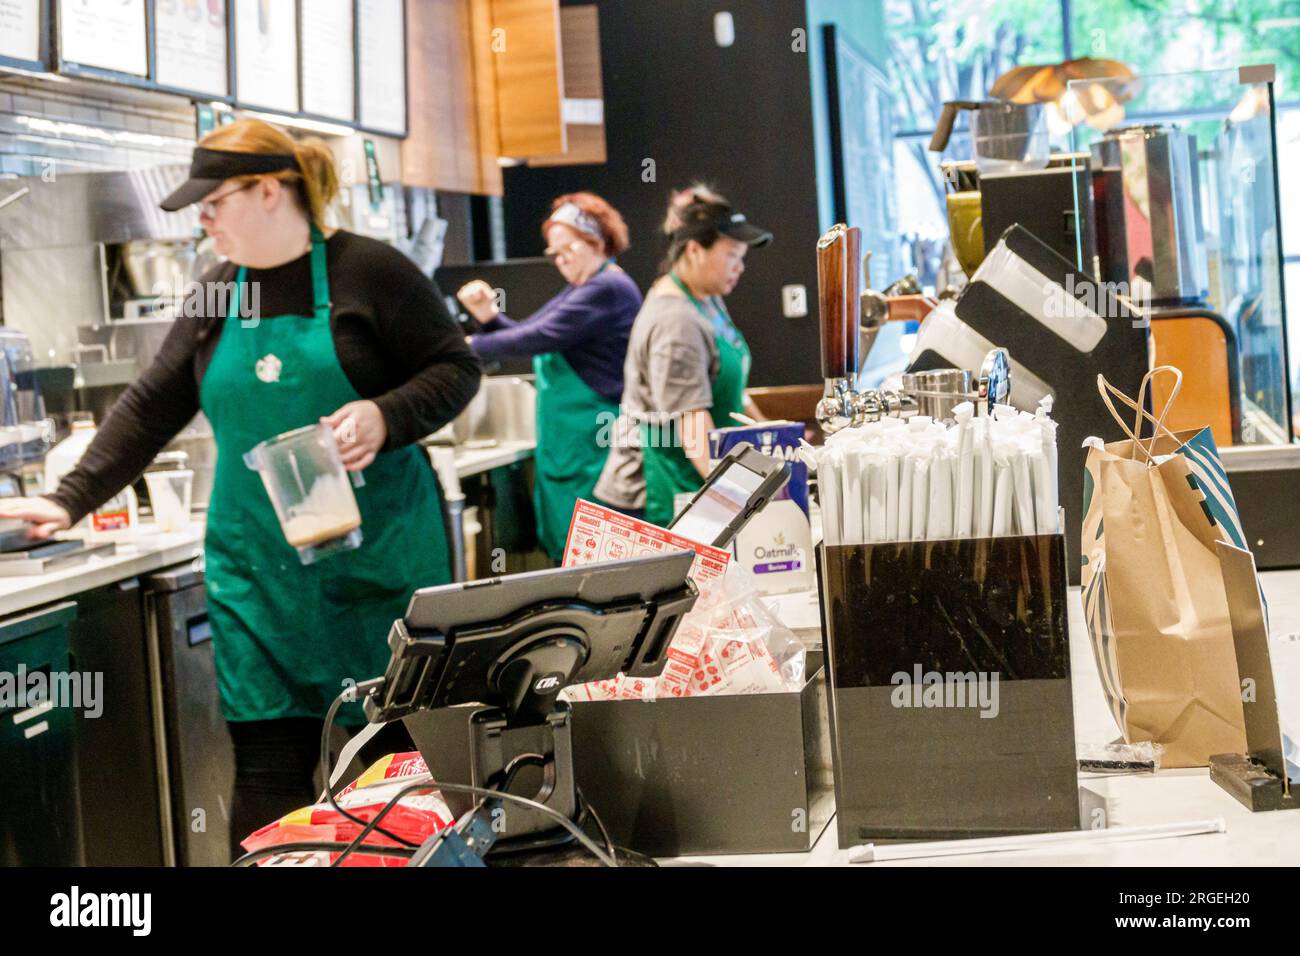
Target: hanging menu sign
[(381, 35), (108, 34), (327, 59), (191, 46), (20, 29), (266, 54)]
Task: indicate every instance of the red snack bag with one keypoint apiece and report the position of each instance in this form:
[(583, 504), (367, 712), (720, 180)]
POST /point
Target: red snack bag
[(417, 816)]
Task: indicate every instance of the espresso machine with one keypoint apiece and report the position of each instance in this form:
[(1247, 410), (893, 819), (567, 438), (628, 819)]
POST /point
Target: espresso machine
[(850, 320)]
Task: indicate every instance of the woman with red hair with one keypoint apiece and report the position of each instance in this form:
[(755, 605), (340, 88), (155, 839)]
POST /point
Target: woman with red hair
[(577, 342)]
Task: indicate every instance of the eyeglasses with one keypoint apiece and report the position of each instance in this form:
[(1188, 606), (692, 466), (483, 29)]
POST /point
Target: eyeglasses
[(208, 208), (564, 252)]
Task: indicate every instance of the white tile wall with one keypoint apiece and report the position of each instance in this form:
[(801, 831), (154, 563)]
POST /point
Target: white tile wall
[(40, 123)]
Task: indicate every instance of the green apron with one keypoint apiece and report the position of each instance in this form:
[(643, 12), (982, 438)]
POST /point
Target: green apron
[(287, 638), (568, 460), (668, 471)]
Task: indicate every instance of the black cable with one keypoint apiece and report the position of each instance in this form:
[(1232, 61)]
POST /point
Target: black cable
[(357, 693), (564, 821), (509, 776), (359, 839), (305, 846), (609, 844), (362, 690)]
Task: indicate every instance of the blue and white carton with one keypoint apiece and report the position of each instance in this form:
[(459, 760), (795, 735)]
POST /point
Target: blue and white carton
[(776, 545)]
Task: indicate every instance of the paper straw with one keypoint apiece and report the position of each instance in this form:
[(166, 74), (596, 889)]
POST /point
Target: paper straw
[(920, 496), (828, 480), (939, 521), (1023, 493), (1002, 499), (988, 483), (903, 528), (876, 494), (854, 524), (891, 497)]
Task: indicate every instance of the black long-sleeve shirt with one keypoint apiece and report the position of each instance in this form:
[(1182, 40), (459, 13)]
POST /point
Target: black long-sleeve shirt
[(396, 343)]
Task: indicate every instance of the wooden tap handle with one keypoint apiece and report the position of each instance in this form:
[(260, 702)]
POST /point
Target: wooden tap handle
[(838, 288)]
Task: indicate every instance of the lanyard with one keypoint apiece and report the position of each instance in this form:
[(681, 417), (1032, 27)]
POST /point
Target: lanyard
[(720, 320)]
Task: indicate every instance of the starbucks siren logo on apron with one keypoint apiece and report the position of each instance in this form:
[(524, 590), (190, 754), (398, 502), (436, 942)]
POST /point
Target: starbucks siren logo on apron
[(288, 637), (268, 368)]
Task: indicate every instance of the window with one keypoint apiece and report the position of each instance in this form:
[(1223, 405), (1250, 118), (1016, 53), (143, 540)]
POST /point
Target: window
[(955, 50)]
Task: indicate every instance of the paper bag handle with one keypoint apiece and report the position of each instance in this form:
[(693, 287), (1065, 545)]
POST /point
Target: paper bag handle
[(1106, 390)]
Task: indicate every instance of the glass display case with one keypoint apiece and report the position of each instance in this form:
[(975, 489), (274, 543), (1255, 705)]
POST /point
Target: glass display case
[(1181, 191)]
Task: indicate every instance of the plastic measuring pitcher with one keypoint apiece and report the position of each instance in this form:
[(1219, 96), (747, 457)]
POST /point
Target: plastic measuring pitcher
[(310, 491)]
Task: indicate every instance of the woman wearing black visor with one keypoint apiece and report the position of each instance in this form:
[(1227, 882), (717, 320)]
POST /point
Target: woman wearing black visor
[(323, 325), (687, 364)]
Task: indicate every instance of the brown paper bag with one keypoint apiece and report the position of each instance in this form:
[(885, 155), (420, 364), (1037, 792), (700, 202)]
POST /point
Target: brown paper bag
[(1153, 588)]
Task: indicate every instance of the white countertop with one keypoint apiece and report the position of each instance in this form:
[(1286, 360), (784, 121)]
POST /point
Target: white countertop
[(1168, 796), (151, 551), (474, 461)]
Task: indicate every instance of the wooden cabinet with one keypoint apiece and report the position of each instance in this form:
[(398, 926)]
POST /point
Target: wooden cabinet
[(519, 79), (453, 143), (525, 45), (584, 97)]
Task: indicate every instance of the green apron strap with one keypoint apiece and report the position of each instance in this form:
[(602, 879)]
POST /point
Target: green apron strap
[(320, 280)]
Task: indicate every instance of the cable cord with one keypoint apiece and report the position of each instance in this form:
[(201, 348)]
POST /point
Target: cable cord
[(356, 693), (359, 692), (608, 859)]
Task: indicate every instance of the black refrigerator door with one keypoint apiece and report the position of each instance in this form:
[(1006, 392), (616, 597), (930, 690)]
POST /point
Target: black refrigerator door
[(200, 759), (38, 800), (120, 817)]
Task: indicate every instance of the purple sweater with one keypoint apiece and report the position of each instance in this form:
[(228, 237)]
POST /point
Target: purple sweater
[(588, 324)]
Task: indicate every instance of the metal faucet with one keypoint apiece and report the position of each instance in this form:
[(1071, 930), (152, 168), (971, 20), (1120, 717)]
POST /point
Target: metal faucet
[(851, 318)]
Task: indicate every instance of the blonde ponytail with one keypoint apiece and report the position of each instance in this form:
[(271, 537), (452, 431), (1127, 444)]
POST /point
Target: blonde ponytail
[(320, 181), (315, 183)]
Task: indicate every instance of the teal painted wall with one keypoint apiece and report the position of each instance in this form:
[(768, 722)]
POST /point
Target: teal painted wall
[(863, 21)]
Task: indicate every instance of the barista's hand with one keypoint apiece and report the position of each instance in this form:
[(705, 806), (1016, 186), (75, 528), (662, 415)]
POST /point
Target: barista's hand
[(479, 298), (43, 514), (360, 431)]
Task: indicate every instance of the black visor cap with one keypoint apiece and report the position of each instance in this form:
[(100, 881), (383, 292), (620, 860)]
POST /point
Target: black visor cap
[(211, 167), (731, 224), (734, 225)]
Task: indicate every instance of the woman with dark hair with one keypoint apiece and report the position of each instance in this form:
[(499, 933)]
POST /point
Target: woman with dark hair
[(687, 363), (577, 342)]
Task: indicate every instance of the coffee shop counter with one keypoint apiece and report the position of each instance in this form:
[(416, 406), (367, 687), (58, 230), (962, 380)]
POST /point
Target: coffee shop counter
[(1168, 796), (149, 551)]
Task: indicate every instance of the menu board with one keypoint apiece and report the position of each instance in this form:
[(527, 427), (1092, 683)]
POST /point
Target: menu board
[(381, 35), (327, 59), (191, 45), (20, 23), (266, 54), (108, 34)]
